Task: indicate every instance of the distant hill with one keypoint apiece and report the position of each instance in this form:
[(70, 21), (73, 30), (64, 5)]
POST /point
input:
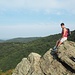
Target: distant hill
[(1, 40), (23, 40), (11, 53)]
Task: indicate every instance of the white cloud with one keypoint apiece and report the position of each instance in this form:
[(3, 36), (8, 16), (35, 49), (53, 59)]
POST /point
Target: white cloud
[(29, 4), (47, 5)]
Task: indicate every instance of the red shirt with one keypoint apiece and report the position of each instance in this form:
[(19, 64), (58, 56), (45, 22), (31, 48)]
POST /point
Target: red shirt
[(66, 33)]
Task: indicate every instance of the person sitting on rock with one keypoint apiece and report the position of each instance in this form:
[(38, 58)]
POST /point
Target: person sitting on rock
[(63, 38)]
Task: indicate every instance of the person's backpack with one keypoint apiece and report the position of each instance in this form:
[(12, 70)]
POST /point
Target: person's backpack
[(69, 32)]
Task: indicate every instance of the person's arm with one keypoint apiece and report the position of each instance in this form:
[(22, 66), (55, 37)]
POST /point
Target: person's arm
[(64, 32)]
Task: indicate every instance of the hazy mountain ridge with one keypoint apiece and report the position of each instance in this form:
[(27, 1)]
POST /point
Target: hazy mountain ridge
[(2, 40), (23, 40)]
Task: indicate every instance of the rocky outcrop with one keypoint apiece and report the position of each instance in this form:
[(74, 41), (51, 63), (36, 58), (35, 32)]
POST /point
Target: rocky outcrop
[(66, 53), (29, 66), (60, 63)]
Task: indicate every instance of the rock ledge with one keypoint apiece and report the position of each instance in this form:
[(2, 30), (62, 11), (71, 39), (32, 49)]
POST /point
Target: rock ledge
[(61, 63)]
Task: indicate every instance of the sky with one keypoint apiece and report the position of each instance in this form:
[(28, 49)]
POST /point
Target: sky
[(35, 18)]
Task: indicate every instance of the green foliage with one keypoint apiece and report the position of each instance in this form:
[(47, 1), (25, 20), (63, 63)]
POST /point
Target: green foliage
[(0, 71), (12, 53), (9, 72)]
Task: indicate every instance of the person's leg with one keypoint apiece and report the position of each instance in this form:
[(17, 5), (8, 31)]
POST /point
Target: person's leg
[(59, 44), (55, 47), (61, 41)]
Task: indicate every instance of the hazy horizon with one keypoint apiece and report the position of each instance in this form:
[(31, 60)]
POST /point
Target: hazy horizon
[(35, 18), (29, 36)]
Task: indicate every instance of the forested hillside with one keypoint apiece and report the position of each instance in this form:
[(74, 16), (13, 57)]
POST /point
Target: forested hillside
[(12, 53)]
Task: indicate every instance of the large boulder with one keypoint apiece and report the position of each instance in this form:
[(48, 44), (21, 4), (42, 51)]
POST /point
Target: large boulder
[(22, 68), (66, 53), (60, 63), (35, 69), (29, 66), (50, 66)]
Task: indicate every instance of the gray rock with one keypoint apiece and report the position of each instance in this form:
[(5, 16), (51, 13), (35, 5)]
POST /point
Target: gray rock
[(51, 66), (60, 63), (66, 52), (22, 68), (30, 66), (35, 69)]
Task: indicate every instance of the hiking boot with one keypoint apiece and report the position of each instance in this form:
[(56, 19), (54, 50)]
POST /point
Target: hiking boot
[(54, 49)]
